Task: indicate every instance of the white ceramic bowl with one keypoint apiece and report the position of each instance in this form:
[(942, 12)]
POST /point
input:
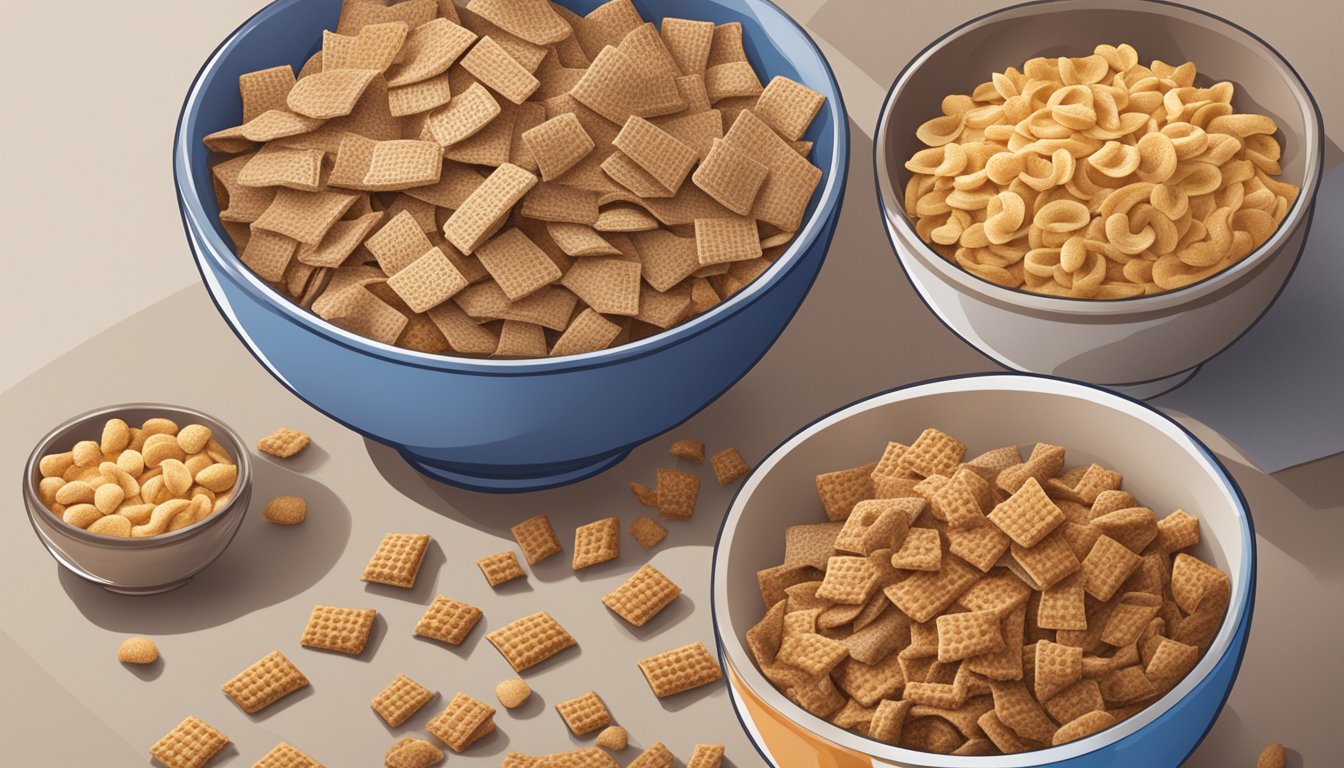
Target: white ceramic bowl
[(1163, 465), (1145, 345)]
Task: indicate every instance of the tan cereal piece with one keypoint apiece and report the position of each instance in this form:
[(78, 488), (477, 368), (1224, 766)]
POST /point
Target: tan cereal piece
[(1062, 605), (285, 755), (418, 98), (448, 621), (1047, 562), (584, 714), (666, 159), (501, 567), (265, 682), (932, 453), (283, 443), (812, 653), (494, 67), (401, 698), (396, 561), (925, 594), (677, 494), (1106, 567), (530, 640), (724, 240), (383, 166), (787, 189), (138, 650), (788, 107), (648, 532), (465, 115), (517, 264), (343, 630), (588, 332), (469, 225), (657, 755), (190, 744), (1179, 530), (596, 542), (642, 596), (464, 721), (329, 94), (513, 692), (705, 756), (375, 47), (680, 669), (286, 510), (410, 752), (692, 450), (842, 489), (265, 90), (612, 86), (430, 50), (688, 42), (614, 738), (558, 144), (536, 538), (533, 20), (730, 176), (1083, 726), (428, 281), (1027, 516), (848, 580), (963, 635), (1272, 756), (608, 285), (729, 466), (921, 551)]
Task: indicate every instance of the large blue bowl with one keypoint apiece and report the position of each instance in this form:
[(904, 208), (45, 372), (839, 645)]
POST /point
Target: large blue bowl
[(505, 425)]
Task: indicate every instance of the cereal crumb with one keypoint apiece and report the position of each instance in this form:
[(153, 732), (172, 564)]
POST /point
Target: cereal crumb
[(1273, 756), (613, 737), (283, 442), (513, 692), (694, 450), (138, 650), (286, 510), (645, 495)]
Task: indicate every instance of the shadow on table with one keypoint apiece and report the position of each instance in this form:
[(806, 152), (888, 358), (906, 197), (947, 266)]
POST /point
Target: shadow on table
[(265, 565)]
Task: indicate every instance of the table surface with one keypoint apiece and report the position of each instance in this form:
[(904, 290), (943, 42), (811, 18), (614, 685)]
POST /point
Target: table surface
[(125, 68)]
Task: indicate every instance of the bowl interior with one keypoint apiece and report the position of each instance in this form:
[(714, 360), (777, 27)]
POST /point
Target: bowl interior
[(289, 31), (966, 57), (89, 426), (1162, 466)]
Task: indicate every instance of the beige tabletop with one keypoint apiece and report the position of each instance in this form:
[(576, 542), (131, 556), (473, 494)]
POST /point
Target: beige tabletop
[(104, 306)]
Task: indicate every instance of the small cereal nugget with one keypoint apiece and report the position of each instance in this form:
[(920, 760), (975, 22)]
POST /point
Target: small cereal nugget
[(396, 562), (190, 744), (270, 679), (285, 755), (680, 669), (448, 621), (648, 532), (283, 442), (343, 630), (692, 450), (410, 752), (677, 493), (401, 698), (463, 722), (1272, 756), (729, 466), (286, 510), (614, 738), (597, 542), (646, 593), (530, 640), (536, 538), (138, 650), (513, 692), (500, 567), (706, 756), (584, 714)]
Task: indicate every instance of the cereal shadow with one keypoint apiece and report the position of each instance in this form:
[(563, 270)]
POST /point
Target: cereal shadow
[(281, 705), (680, 701), (554, 568), (535, 705), (669, 617), (425, 580), (146, 672), (462, 651), (416, 722), (266, 564), (516, 586), (495, 742), (309, 459), (602, 570)]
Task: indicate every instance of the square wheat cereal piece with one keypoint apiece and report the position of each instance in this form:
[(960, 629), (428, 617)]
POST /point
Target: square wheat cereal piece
[(642, 596), (304, 216), (1106, 567), (190, 744), (783, 197), (418, 98), (467, 113), (398, 243), (1028, 516), (1179, 530), (1063, 605), (967, 634), (530, 640), (848, 580), (343, 630), (284, 755), (688, 43), (517, 264), (494, 67), (658, 152), (448, 620), (788, 107), (842, 489), (614, 87), (428, 281), (812, 653), (470, 225), (384, 166), (1046, 563), (725, 240), (648, 532), (677, 493), (730, 176), (933, 453), (729, 465), (922, 551), (705, 755), (608, 285), (657, 755), (980, 545), (268, 254), (680, 669), (584, 714), (925, 594), (401, 698), (734, 80), (519, 339), (264, 90), (589, 331), (691, 450), (536, 538), (558, 144), (396, 562), (465, 720), (283, 442), (431, 48), (500, 567), (597, 542), (265, 682)]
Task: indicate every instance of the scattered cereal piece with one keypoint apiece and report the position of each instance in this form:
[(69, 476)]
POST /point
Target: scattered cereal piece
[(448, 621), (286, 510), (645, 495), (285, 755), (513, 692), (190, 744), (614, 738), (646, 593), (597, 542), (283, 442), (677, 494), (265, 682), (1272, 756), (536, 538), (706, 756), (138, 650), (401, 698), (463, 722), (648, 532), (657, 755), (410, 752), (729, 465), (584, 714), (530, 640), (396, 562), (500, 567), (343, 630), (693, 450), (680, 669)]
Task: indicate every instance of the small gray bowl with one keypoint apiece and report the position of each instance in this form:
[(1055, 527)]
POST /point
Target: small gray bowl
[(137, 566)]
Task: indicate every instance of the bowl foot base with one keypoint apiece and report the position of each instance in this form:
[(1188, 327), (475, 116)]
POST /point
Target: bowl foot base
[(156, 590), (523, 480), (1151, 389)]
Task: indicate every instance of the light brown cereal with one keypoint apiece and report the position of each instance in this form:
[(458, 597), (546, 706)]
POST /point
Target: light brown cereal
[(138, 650), (513, 692), (396, 561), (343, 630), (677, 493), (584, 714), (265, 682), (614, 738), (642, 596), (692, 450), (448, 621), (463, 722), (282, 443), (410, 752), (500, 567), (530, 640), (647, 531), (536, 538), (680, 669), (285, 755), (596, 542), (729, 465), (286, 510), (401, 698), (190, 744)]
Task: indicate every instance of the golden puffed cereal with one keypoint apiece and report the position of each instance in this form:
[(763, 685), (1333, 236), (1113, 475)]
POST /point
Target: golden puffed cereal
[(286, 510), (137, 650)]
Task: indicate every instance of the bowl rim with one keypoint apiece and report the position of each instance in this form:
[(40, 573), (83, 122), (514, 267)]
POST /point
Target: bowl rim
[(824, 216), (32, 475), (1240, 606), (892, 210)]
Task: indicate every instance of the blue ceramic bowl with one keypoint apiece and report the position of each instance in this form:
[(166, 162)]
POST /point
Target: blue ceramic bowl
[(505, 425)]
